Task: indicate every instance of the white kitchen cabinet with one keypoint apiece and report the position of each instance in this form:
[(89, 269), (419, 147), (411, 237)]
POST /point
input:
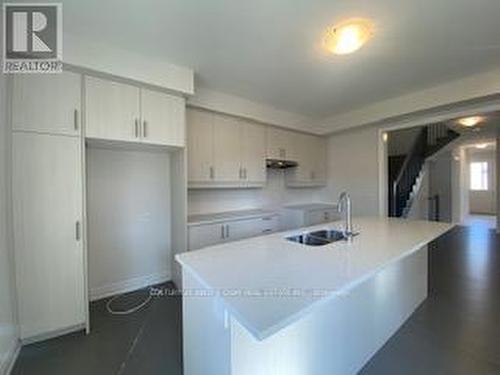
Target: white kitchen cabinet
[(47, 103), (227, 149), (311, 157), (246, 228), (163, 118), (253, 153), (121, 112), (47, 215), (224, 151), (306, 215), (280, 144), (200, 135), (315, 217), (203, 235), (112, 110)]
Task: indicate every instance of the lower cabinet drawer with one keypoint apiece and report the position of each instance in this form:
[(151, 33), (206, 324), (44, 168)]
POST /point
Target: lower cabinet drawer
[(200, 236), (212, 234), (320, 216)]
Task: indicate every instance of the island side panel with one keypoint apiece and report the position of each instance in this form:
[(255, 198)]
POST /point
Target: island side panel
[(206, 331), (340, 336)]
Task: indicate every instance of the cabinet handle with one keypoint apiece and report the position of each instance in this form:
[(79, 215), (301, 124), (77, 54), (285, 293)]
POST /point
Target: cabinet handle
[(267, 231), (212, 173), (78, 234), (227, 231), (145, 129), (137, 128), (222, 232), (75, 119), (245, 173)]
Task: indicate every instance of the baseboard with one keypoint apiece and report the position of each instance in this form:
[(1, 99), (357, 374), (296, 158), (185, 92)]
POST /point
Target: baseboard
[(10, 358), (129, 285), (53, 334)]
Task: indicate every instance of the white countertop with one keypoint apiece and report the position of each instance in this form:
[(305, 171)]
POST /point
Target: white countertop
[(271, 262), (311, 206), (220, 217)]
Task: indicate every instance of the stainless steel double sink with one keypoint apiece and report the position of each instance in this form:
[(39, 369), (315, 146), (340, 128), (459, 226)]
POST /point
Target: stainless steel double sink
[(318, 238)]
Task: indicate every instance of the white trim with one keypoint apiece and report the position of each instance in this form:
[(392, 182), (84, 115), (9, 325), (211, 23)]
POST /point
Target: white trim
[(382, 174), (129, 285), (10, 358)]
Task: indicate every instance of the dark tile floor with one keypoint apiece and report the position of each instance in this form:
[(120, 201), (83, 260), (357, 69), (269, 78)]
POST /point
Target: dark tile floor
[(146, 342), (455, 331)]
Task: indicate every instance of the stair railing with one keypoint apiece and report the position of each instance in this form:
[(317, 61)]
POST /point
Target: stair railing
[(408, 174)]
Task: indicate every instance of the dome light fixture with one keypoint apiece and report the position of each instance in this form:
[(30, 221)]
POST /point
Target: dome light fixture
[(471, 121), (348, 36)]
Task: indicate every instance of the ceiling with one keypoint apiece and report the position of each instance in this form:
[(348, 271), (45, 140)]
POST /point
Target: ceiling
[(486, 131), (267, 50)]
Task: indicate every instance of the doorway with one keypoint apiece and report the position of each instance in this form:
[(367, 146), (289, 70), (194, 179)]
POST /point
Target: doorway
[(455, 176), (482, 185)]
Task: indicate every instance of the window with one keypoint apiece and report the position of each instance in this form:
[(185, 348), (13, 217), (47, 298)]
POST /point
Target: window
[(479, 175)]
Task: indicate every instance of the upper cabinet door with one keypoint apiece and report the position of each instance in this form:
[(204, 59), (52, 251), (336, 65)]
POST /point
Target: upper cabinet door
[(279, 144), (320, 161), (227, 149), (311, 155), (163, 118), (200, 133), (253, 149), (112, 110), (47, 103)]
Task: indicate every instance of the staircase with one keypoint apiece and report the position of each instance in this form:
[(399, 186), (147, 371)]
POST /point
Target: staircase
[(405, 184)]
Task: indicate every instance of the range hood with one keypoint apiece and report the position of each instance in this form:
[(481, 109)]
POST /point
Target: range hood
[(280, 164)]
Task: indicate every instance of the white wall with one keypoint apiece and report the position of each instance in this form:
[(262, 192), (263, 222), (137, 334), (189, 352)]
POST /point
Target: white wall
[(352, 164), (8, 325), (129, 212), (273, 196), (484, 202)]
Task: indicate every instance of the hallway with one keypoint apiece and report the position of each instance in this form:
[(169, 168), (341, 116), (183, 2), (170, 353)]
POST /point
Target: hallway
[(481, 221)]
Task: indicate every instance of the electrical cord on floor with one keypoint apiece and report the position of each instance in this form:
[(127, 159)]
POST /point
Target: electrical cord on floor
[(128, 311)]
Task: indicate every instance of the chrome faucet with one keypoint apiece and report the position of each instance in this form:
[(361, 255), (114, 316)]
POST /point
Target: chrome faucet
[(344, 204)]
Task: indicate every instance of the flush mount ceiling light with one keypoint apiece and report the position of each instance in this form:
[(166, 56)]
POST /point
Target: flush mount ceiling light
[(348, 36), (482, 145), (470, 121)]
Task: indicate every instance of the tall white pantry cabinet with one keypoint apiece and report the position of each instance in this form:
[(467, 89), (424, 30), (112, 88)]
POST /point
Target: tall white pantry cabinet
[(47, 179), (51, 116)]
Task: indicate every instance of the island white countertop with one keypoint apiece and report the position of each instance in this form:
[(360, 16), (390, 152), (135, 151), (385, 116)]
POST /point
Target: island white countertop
[(251, 275)]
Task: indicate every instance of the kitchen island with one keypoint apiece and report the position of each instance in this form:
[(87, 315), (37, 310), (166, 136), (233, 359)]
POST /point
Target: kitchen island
[(267, 305)]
